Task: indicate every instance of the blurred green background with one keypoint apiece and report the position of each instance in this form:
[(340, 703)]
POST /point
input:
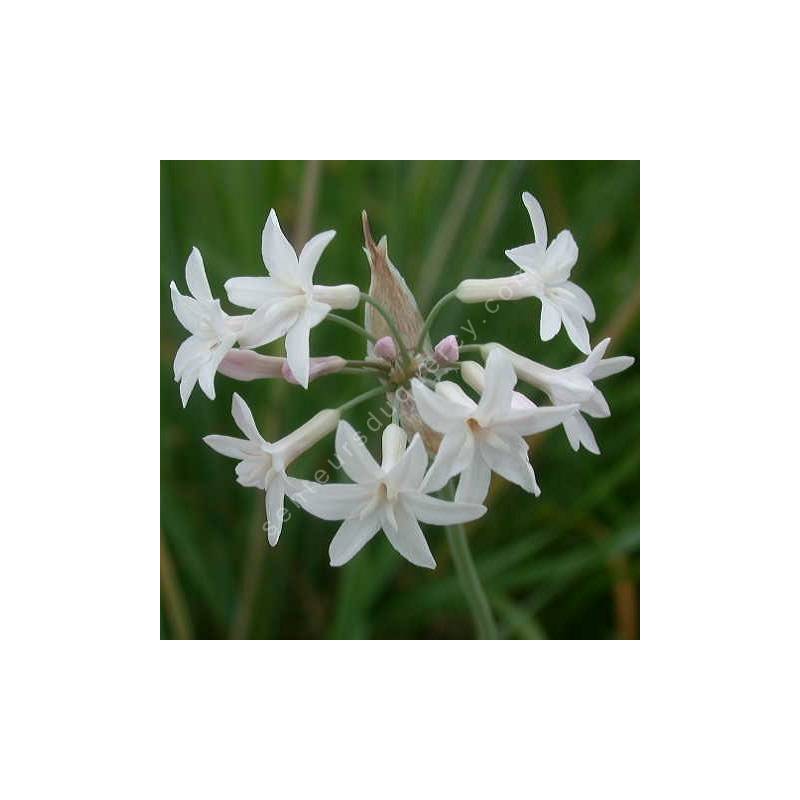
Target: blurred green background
[(565, 565)]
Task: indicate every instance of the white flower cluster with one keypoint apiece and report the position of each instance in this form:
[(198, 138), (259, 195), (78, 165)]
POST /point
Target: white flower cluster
[(467, 438)]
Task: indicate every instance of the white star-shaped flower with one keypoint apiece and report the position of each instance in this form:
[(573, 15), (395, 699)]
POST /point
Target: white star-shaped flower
[(545, 274), (213, 331), (485, 437), (263, 464), (388, 497), (288, 303), (573, 384)]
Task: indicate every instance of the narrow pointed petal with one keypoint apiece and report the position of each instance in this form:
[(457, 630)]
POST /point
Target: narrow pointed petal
[(274, 505), (537, 218), (409, 470), (528, 257), (436, 411), (576, 329), (188, 381), (331, 501), (500, 380), (279, 256), (473, 485), (595, 357), (229, 446), (435, 511), (454, 455), (186, 309), (196, 278), (407, 538), (512, 465), (243, 417), (270, 323), (596, 406), (193, 349), (297, 349), (257, 292), (310, 255), (393, 445), (550, 323), (579, 433), (351, 537), (560, 258), (316, 312), (353, 455), (611, 366), (581, 300), (535, 420), (453, 392)]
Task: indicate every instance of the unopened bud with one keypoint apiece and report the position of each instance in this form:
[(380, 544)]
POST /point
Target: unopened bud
[(386, 348), (446, 352), (324, 365)]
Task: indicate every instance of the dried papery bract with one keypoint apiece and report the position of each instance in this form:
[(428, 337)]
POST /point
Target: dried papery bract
[(389, 288)]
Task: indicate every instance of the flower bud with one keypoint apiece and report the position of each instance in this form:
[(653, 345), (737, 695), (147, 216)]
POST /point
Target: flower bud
[(386, 348), (324, 365), (446, 352), (245, 365)]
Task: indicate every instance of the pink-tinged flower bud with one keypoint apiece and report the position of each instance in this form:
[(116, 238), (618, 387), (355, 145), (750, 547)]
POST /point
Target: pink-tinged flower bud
[(245, 365), (446, 352), (386, 348), (324, 365)]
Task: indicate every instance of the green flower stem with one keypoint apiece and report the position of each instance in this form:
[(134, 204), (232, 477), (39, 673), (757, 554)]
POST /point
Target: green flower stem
[(348, 323), (432, 316), (362, 398), (468, 578), (389, 319), (470, 348)]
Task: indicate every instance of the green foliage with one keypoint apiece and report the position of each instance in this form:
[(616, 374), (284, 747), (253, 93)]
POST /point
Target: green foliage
[(561, 566)]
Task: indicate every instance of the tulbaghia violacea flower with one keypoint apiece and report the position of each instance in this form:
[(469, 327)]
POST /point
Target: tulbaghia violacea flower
[(213, 332), (263, 464), (446, 352), (485, 437), (573, 384), (288, 303), (387, 497), (545, 274)]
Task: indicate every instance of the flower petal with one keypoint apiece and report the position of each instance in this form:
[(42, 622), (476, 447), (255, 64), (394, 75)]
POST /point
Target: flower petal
[(353, 455), (537, 218), (243, 417), (194, 349), (535, 420), (297, 349), (409, 470), (576, 329), (513, 465), (331, 501), (274, 505), (187, 310), (596, 406), (270, 322), (473, 485), (528, 257), (560, 258), (196, 278), (310, 254), (550, 323), (500, 380), (229, 446), (579, 433), (352, 535), (435, 511), (611, 366), (279, 256), (257, 292), (455, 454), (452, 391), (595, 357), (437, 412), (407, 538), (581, 300), (188, 381)]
